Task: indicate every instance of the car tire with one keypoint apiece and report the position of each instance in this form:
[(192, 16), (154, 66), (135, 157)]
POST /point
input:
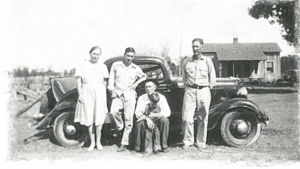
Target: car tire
[(67, 133), (240, 128)]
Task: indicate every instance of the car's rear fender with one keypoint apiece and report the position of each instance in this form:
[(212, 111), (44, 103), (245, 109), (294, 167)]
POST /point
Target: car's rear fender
[(66, 103), (219, 110)]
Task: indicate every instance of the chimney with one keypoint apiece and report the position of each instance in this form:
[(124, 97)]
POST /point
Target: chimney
[(235, 40)]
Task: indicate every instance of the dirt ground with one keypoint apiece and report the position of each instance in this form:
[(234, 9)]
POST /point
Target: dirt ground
[(278, 143)]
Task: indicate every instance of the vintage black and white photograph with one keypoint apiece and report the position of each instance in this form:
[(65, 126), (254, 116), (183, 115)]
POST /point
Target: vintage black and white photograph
[(200, 82)]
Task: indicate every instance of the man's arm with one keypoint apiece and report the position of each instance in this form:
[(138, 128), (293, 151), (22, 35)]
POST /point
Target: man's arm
[(141, 76), (211, 73), (140, 107), (165, 109)]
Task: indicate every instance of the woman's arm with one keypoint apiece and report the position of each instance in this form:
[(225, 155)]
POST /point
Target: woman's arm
[(79, 88), (105, 82)]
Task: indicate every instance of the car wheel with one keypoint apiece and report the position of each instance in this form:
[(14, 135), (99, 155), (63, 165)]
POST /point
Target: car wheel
[(240, 128), (67, 133)]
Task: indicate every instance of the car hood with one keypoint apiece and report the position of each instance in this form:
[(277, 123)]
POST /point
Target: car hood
[(220, 82)]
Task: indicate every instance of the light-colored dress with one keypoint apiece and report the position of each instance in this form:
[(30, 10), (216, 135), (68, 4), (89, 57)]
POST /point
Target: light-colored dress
[(93, 109)]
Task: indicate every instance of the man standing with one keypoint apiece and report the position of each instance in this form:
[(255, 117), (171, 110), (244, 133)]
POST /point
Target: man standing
[(124, 78), (161, 120), (199, 77)]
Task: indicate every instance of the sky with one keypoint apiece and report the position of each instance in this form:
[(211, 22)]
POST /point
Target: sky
[(58, 34)]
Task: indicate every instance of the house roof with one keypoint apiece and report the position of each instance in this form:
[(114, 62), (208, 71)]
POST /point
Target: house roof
[(241, 51)]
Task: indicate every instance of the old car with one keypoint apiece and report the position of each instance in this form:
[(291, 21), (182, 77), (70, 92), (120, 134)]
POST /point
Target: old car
[(238, 119), (292, 76)]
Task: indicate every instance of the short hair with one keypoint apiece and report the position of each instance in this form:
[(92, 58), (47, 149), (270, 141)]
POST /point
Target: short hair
[(94, 48), (154, 97), (129, 49), (153, 81), (199, 40)]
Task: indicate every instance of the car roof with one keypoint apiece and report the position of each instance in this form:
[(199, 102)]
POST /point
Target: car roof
[(136, 58)]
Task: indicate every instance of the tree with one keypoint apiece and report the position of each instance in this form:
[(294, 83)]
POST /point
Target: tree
[(21, 72), (163, 52), (284, 12), (66, 73), (289, 62), (72, 72), (34, 72)]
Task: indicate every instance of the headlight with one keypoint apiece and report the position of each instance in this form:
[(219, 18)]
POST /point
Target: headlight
[(242, 92)]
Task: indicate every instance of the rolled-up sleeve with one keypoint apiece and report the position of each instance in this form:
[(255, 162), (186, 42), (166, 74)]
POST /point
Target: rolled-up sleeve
[(165, 109), (141, 107), (141, 74)]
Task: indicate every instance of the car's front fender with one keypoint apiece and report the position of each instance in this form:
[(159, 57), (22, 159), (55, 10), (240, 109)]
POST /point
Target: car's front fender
[(216, 112)]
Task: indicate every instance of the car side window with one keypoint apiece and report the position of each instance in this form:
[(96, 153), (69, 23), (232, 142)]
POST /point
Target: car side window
[(153, 71)]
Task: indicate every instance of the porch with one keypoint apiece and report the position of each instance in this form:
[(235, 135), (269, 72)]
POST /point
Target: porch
[(247, 70)]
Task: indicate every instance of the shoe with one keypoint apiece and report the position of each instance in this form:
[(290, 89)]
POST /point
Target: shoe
[(147, 151), (180, 144), (121, 148), (201, 149), (199, 146), (155, 151), (186, 146), (165, 150)]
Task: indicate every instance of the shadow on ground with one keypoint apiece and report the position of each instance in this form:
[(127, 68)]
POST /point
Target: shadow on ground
[(112, 137), (41, 135)]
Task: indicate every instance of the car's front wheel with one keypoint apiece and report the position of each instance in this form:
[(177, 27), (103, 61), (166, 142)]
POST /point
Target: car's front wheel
[(240, 127), (66, 132)]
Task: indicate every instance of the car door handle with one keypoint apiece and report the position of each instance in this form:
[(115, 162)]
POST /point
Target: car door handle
[(168, 91)]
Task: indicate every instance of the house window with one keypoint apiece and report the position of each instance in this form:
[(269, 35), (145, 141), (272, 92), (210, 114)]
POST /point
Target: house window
[(270, 66)]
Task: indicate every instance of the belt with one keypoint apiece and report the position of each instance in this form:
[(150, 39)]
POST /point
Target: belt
[(196, 86)]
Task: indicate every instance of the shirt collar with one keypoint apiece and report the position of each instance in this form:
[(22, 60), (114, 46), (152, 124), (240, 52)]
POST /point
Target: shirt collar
[(129, 66), (201, 58)]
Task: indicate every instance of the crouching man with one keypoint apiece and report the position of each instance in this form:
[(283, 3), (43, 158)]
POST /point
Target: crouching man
[(152, 128)]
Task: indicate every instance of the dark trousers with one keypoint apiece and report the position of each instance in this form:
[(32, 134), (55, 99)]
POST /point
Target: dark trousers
[(143, 138), (152, 138)]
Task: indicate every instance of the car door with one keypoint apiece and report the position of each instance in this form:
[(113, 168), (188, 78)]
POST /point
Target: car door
[(157, 70)]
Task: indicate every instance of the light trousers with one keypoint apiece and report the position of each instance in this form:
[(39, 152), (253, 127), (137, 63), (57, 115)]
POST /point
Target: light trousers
[(196, 104), (117, 105)]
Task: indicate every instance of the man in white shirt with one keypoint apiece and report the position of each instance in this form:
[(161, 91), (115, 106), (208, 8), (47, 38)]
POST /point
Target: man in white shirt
[(162, 121), (124, 78)]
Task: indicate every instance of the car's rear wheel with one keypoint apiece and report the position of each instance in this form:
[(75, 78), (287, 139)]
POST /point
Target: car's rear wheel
[(240, 127), (67, 133)]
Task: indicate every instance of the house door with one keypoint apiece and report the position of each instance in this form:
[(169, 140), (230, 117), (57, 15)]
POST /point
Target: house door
[(270, 71)]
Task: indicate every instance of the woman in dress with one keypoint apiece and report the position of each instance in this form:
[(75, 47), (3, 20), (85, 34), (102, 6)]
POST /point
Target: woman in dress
[(91, 108)]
